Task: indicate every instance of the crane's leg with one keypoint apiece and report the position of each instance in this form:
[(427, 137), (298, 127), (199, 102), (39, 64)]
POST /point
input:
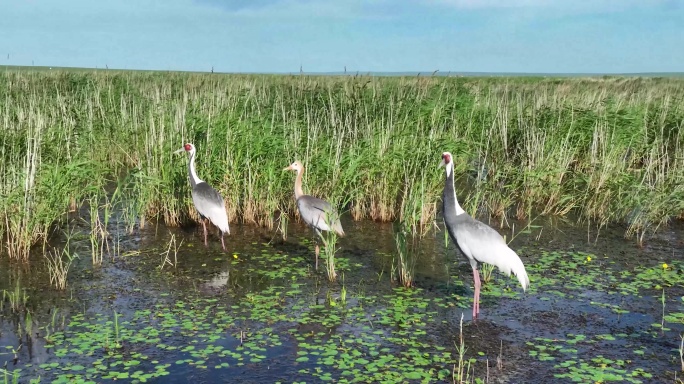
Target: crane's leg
[(223, 245), (204, 225), (476, 298), (318, 250)]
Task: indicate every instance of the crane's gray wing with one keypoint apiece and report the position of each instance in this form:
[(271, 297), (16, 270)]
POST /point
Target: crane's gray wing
[(209, 204), (481, 242), (314, 210)]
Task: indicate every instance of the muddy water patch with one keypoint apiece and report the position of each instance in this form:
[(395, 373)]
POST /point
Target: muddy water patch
[(260, 312), (591, 318)]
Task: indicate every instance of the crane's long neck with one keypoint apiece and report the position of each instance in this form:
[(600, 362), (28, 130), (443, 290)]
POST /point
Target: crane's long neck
[(194, 180), (449, 197), (298, 184)]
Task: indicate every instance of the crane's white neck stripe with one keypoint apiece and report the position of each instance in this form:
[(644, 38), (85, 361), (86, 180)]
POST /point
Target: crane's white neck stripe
[(449, 172), (193, 173), (459, 210)]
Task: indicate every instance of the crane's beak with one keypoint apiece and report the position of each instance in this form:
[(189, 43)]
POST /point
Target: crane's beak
[(441, 164), (179, 151), (288, 168)]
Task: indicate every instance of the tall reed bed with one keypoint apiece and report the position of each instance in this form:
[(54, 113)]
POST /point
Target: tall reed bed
[(609, 150)]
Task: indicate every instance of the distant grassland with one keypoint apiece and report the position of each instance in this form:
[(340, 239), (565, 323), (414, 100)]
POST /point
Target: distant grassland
[(605, 150)]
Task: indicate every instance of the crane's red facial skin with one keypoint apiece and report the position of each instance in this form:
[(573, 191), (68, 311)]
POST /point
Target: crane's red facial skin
[(188, 147), (447, 158)]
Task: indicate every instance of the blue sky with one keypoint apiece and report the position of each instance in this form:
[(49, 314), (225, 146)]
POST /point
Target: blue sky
[(579, 36)]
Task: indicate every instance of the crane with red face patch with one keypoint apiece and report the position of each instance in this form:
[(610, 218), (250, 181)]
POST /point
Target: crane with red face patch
[(478, 242), (208, 202)]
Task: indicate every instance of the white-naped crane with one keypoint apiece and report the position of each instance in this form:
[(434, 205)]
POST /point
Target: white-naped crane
[(478, 242), (317, 213), (208, 202)]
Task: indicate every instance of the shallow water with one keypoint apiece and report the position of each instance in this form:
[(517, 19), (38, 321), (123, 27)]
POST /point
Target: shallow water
[(260, 313)]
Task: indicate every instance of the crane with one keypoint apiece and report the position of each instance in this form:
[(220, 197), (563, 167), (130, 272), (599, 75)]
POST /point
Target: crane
[(317, 213), (478, 242), (208, 202)]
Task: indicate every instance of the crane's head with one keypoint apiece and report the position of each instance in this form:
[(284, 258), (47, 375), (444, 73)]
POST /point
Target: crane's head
[(189, 148), (447, 161), (296, 166)]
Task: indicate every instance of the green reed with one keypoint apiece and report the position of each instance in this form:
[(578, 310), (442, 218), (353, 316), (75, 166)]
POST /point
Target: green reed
[(10, 376), (463, 369), (59, 262), (17, 297), (405, 261), (329, 240), (605, 150), (329, 250)]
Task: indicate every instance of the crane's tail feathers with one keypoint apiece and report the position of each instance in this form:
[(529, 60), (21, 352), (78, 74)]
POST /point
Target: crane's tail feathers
[(337, 227), (224, 228), (336, 224), (522, 277), (515, 265), (222, 222)]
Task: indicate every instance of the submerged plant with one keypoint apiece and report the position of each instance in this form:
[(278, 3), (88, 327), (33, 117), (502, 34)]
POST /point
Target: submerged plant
[(681, 351), (98, 231), (17, 297), (10, 376), (172, 247), (282, 225), (28, 324), (461, 372), (662, 301), (486, 270), (59, 262), (115, 334), (329, 239), (405, 260)]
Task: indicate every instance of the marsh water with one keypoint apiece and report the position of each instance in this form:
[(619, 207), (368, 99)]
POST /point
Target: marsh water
[(599, 309)]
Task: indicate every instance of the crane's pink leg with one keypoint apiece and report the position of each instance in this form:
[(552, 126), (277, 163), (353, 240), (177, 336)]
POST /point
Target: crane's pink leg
[(479, 292), (204, 225), (223, 245), (476, 299), (318, 250)]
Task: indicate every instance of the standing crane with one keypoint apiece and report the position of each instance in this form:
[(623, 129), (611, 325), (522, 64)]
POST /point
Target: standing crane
[(476, 240), (208, 202), (317, 213)]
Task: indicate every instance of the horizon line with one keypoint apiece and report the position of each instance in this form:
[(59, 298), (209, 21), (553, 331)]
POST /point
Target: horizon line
[(360, 72)]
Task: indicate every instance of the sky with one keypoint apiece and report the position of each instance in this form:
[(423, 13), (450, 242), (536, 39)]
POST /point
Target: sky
[(282, 36)]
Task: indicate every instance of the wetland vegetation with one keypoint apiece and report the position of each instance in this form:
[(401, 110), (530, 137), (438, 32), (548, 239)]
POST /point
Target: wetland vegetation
[(104, 277)]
